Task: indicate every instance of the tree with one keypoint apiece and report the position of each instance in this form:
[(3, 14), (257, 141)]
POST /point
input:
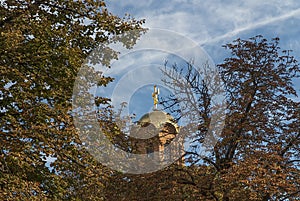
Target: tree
[(257, 155), (42, 46)]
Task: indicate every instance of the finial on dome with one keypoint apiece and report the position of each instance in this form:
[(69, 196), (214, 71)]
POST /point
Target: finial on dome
[(155, 96)]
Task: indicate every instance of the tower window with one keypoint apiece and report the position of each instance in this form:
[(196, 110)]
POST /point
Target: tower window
[(150, 150)]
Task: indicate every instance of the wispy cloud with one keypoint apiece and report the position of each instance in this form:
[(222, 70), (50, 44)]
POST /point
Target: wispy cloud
[(252, 26), (215, 22), (209, 21)]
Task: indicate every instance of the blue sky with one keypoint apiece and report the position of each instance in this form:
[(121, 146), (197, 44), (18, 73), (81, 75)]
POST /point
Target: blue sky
[(216, 22)]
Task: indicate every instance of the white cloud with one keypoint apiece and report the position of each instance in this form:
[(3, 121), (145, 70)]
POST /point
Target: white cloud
[(212, 23), (205, 20), (254, 25)]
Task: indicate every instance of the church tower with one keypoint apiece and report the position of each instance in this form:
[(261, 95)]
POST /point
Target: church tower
[(155, 131)]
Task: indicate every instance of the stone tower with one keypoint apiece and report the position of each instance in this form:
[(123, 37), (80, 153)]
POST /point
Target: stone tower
[(156, 130)]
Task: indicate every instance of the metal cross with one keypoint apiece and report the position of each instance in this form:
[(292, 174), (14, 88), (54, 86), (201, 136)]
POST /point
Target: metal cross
[(155, 96)]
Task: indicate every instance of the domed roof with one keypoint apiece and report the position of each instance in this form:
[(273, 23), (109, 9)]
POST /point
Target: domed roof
[(158, 119)]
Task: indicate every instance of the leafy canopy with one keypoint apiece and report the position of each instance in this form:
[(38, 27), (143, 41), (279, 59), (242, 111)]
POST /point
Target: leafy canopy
[(43, 43)]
